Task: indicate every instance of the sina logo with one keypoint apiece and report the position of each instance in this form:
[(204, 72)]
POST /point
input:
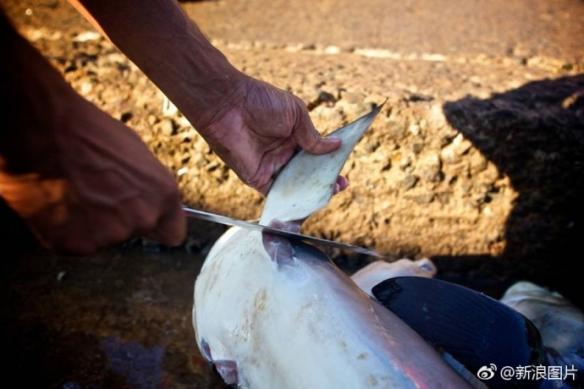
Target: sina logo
[(485, 373)]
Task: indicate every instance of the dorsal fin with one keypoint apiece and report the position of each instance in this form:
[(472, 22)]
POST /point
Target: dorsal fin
[(306, 183)]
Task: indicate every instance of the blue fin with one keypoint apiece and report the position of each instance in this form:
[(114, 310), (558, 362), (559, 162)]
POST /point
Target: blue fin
[(475, 329)]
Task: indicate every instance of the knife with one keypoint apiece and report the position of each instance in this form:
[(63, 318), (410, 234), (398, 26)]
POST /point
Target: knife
[(229, 221)]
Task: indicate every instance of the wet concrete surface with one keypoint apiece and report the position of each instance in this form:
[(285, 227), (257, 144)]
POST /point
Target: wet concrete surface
[(117, 319)]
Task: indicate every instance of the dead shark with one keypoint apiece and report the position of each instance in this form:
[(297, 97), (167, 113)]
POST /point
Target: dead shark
[(379, 271), (272, 313)]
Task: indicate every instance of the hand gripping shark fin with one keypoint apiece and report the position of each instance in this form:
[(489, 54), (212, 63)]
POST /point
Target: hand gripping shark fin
[(307, 182), (472, 327)]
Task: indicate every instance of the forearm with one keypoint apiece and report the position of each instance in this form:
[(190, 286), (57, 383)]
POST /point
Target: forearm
[(160, 39), (32, 96)]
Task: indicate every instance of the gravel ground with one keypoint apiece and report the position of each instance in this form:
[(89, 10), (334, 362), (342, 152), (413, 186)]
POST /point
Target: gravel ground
[(476, 160)]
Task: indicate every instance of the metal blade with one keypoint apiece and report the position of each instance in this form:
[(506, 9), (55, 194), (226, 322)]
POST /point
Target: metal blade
[(229, 221)]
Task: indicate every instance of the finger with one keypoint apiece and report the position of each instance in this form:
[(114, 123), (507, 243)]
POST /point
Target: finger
[(310, 140), (172, 227), (114, 229), (264, 188), (68, 237), (142, 216), (270, 165)]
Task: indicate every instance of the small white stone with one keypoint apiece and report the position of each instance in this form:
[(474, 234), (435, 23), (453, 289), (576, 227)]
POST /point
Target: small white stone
[(168, 108), (332, 50), (414, 129), (86, 87), (87, 36), (433, 57)]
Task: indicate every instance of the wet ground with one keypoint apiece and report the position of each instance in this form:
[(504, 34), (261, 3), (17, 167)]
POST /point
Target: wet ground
[(119, 319)]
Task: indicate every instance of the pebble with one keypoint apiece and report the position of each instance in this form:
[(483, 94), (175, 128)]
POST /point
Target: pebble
[(165, 127), (478, 163), (435, 117), (414, 129), (417, 148), (405, 162), (429, 167), (423, 199), (352, 97), (328, 115), (168, 108), (456, 149), (151, 120), (409, 182), (86, 88), (331, 50), (353, 109), (87, 36)]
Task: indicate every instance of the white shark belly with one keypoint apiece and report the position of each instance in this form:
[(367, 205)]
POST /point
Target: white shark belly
[(302, 325)]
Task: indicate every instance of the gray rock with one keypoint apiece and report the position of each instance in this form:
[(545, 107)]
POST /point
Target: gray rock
[(422, 199), (165, 127), (409, 182), (429, 167), (456, 149)]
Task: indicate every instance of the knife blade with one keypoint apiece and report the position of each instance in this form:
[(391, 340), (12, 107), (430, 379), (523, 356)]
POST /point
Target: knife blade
[(229, 221)]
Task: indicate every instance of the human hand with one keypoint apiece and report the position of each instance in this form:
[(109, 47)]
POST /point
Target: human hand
[(260, 131), (93, 183), (254, 127)]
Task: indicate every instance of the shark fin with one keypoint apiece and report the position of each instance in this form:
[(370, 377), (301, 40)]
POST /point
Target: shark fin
[(307, 182)]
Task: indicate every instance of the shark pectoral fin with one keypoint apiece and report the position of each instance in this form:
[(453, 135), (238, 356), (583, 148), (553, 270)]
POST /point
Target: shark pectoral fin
[(475, 329)]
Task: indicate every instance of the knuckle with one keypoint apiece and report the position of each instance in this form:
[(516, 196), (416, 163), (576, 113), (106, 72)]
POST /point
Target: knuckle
[(68, 242), (146, 221), (112, 236)]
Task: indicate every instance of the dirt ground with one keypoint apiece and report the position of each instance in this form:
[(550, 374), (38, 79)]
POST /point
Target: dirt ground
[(476, 161)]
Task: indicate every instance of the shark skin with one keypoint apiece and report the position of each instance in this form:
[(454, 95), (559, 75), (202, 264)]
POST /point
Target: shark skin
[(378, 271), (271, 313)]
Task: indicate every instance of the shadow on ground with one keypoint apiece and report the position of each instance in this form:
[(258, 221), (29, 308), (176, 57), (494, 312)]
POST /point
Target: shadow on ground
[(535, 136)]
